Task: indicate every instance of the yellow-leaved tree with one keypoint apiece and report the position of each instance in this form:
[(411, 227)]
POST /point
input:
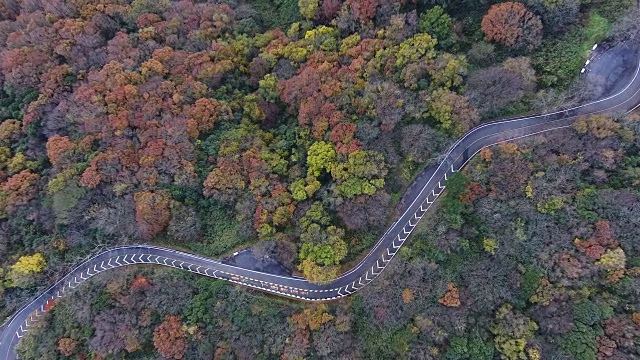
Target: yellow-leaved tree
[(21, 273)]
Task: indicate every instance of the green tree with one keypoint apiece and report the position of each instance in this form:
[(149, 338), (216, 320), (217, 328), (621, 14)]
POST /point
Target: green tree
[(320, 156), (308, 8), (581, 342), (471, 348), (297, 189), (551, 205), (490, 245), (414, 49), (361, 172), (512, 331), (453, 207), (438, 24), (453, 112), (587, 312), (316, 214)]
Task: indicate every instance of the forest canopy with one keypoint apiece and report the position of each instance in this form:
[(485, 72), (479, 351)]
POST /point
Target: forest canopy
[(296, 126)]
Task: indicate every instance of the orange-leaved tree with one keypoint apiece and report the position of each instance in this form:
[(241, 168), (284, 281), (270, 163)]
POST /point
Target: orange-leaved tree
[(152, 212), (170, 339), (511, 24), (452, 297)]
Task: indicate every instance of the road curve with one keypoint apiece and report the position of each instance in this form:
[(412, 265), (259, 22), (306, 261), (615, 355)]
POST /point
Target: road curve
[(431, 184)]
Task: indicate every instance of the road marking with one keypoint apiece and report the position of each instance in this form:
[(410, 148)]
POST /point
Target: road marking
[(376, 273)]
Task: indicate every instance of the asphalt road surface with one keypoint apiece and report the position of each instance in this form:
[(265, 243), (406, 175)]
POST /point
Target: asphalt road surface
[(428, 186)]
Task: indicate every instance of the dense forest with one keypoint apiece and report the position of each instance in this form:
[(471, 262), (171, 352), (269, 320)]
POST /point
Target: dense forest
[(295, 126)]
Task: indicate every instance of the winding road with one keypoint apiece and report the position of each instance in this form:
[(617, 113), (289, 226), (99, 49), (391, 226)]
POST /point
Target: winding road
[(426, 189)]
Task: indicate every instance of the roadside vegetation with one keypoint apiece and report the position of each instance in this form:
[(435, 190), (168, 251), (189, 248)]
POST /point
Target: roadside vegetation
[(296, 126)]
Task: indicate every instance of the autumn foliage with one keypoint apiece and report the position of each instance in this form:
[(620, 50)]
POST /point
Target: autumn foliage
[(169, 338), (363, 9), (451, 298), (152, 212), (602, 239), (511, 24), (67, 346), (19, 189), (59, 149)]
